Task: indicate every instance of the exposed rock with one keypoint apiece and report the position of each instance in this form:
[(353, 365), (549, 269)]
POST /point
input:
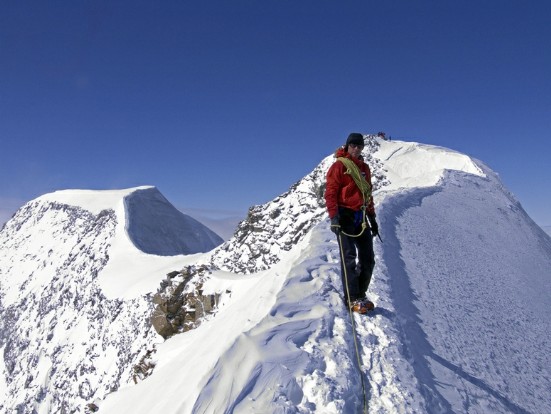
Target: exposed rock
[(144, 367), (181, 304), (91, 408), (162, 325)]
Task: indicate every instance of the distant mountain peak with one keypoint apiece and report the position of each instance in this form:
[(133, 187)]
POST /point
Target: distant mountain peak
[(152, 223)]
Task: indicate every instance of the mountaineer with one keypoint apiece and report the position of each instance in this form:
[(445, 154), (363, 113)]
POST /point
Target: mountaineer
[(350, 207)]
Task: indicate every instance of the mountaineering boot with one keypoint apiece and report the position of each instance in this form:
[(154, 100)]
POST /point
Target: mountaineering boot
[(362, 306), (368, 304)]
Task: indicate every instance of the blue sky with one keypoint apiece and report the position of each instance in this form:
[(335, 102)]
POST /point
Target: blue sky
[(225, 104)]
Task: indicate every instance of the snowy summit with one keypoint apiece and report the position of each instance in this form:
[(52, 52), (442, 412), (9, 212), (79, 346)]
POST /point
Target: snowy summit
[(461, 285)]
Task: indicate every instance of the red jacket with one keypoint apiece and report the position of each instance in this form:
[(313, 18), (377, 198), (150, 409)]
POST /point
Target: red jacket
[(342, 191)]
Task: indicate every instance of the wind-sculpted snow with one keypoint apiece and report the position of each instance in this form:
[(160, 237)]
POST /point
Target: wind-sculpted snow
[(281, 343), (300, 358), (156, 227)]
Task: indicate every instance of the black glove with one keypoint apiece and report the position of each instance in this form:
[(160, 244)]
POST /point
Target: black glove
[(374, 226), (335, 225)]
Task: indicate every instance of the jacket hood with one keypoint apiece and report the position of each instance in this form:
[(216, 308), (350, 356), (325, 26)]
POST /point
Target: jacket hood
[(341, 152)]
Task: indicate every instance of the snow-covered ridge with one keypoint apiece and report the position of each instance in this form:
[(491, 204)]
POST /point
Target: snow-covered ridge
[(152, 224), (411, 164)]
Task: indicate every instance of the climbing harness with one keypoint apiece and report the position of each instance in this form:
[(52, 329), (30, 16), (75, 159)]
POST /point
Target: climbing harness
[(364, 225), (353, 321)]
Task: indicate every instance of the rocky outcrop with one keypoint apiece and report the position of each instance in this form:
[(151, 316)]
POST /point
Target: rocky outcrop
[(145, 366), (180, 302)]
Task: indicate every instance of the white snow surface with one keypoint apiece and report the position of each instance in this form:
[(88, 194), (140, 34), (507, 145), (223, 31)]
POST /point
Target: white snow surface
[(411, 164), (462, 323)]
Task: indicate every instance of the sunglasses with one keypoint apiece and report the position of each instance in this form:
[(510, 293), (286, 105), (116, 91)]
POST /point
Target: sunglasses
[(356, 145)]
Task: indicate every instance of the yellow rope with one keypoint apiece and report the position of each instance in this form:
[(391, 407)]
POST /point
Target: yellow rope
[(353, 170), (362, 184), (364, 226), (353, 326)]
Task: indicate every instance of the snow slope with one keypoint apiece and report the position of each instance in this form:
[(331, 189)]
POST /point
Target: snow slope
[(462, 323), (470, 278)]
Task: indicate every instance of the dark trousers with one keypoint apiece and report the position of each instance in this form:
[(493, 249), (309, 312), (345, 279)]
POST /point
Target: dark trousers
[(358, 273)]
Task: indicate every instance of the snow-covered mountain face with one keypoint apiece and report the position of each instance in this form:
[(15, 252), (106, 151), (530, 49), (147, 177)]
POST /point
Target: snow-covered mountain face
[(461, 285), (63, 341)]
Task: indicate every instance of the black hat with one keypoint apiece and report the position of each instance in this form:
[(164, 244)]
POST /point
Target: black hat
[(356, 139)]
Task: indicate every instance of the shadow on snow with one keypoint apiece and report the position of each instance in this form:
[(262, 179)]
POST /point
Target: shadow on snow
[(415, 341)]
